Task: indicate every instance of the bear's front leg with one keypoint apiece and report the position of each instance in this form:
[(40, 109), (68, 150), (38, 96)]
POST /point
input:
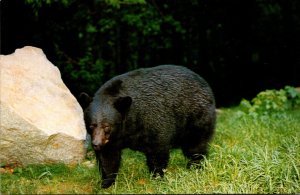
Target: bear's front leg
[(109, 163), (157, 162)]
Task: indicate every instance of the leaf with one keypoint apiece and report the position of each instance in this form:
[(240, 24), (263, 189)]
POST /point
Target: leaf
[(46, 173), (91, 29)]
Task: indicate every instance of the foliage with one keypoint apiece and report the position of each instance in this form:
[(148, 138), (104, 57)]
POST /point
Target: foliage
[(246, 157), (105, 41), (217, 39), (117, 3), (272, 102)]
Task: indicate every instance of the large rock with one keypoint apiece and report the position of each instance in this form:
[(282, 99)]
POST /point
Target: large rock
[(41, 121)]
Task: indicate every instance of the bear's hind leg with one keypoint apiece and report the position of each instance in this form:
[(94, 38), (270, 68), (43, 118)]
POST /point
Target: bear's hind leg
[(195, 146), (195, 153), (157, 162)]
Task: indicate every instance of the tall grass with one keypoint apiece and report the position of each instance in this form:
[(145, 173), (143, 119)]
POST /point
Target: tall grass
[(247, 155)]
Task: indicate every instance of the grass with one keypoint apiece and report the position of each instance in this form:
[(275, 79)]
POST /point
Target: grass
[(246, 156)]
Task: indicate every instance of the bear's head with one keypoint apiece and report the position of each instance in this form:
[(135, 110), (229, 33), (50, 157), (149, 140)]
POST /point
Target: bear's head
[(106, 112)]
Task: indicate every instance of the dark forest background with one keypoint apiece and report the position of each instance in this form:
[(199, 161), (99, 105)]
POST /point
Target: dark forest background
[(241, 47)]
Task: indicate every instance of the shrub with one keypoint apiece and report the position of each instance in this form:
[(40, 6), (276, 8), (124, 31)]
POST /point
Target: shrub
[(271, 102)]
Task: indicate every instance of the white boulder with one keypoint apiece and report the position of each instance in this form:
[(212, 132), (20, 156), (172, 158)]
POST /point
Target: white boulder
[(40, 120)]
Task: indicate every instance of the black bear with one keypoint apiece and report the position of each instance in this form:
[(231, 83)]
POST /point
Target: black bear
[(151, 110)]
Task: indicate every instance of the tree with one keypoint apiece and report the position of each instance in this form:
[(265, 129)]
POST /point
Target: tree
[(239, 47)]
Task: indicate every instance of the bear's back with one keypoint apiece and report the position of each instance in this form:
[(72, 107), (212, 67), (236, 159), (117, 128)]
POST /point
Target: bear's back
[(167, 88)]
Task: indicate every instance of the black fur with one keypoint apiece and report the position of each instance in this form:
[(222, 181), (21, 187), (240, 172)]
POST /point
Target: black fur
[(151, 110)]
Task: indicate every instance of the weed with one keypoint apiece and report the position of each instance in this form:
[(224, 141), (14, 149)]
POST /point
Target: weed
[(247, 155)]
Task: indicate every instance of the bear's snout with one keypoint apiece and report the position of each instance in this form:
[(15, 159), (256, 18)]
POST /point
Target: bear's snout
[(96, 144), (99, 138)]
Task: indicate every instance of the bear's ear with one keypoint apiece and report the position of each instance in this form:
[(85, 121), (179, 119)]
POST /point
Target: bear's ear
[(122, 104), (84, 100), (114, 88)]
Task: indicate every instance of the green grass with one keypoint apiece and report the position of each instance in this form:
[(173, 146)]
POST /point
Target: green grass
[(246, 156)]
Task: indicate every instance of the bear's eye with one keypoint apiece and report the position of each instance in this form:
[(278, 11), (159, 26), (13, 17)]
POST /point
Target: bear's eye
[(93, 126), (106, 129), (105, 125)]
